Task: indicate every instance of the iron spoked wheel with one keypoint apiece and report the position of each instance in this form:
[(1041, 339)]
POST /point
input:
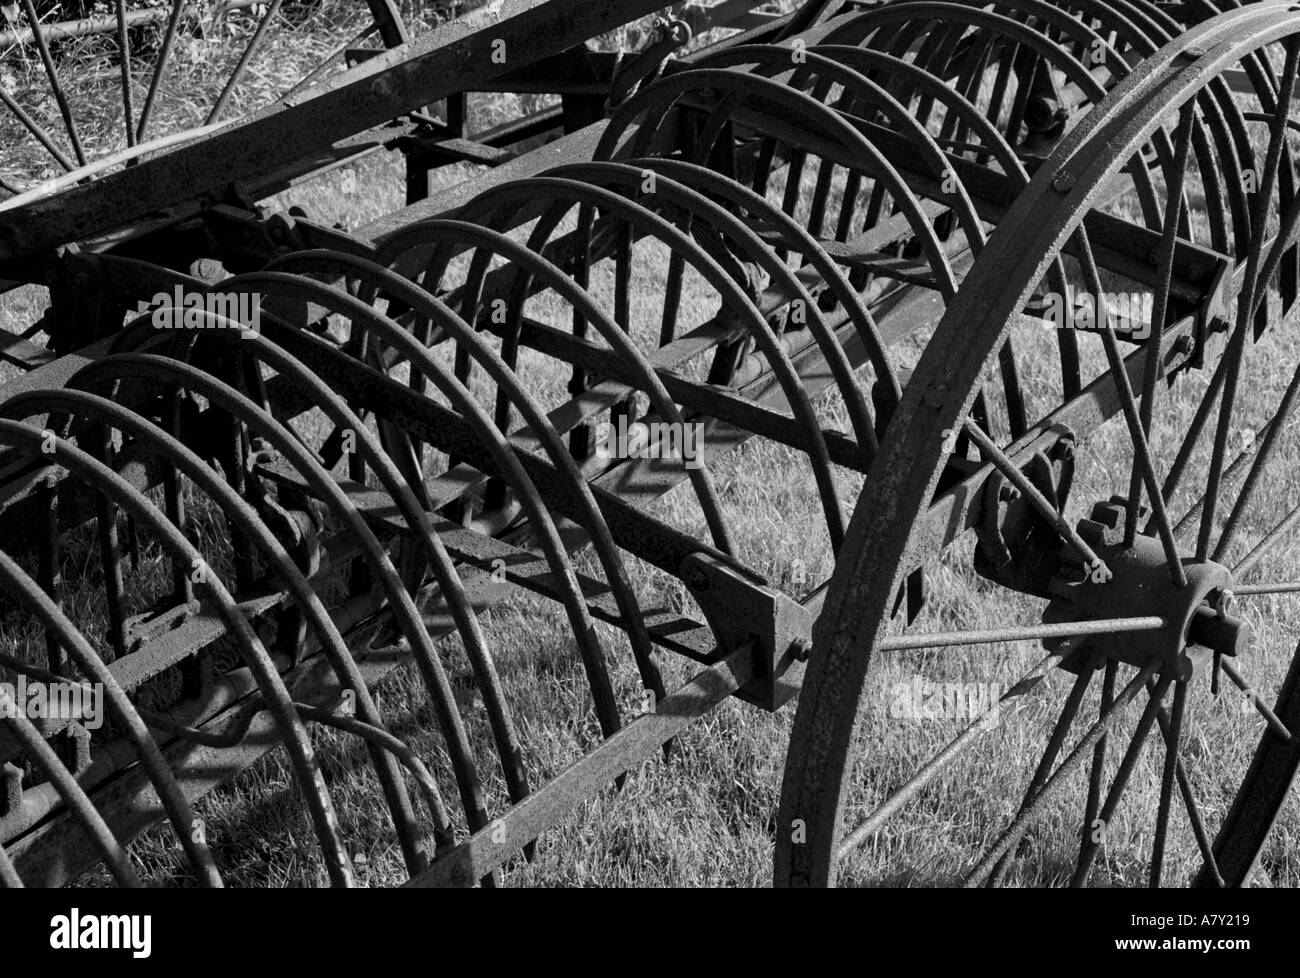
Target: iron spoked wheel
[(1115, 531), (81, 98)]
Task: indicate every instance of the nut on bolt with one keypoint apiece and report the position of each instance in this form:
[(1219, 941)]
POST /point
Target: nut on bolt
[(695, 578), (800, 649), (1221, 600)]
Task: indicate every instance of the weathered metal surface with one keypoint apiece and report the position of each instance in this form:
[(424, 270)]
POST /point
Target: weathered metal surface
[(837, 182)]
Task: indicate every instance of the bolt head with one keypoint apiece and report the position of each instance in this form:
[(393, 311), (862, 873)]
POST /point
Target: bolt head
[(800, 649)]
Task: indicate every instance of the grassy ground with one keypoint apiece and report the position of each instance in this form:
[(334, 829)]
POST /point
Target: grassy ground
[(706, 816)]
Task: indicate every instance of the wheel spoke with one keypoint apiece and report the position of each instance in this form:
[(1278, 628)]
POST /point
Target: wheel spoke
[(955, 748), (1230, 472), (1173, 741), (1018, 633), (1137, 742), (1141, 449), (1235, 352), (1275, 427), (256, 42), (1045, 764), (1164, 273), (160, 67), (1058, 779), (1189, 799), (124, 52), (1096, 768), (37, 130), (1262, 708), (1288, 588), (56, 86)]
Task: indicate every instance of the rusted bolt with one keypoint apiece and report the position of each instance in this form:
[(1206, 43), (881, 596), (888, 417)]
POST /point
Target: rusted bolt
[(696, 579), (1063, 182), (800, 649), (1008, 494), (1182, 346)]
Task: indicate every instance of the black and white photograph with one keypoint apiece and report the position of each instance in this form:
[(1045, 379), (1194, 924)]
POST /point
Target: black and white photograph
[(608, 444)]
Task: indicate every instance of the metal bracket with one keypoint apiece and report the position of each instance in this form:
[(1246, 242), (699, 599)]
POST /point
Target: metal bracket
[(1017, 548), (669, 35), (740, 611)]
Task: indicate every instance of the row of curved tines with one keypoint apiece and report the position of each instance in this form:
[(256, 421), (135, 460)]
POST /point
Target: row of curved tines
[(880, 74)]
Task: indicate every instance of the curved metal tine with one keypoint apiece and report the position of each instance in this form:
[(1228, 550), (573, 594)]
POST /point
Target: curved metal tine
[(1141, 447), (364, 318), (128, 80), (752, 248), (160, 68), (1234, 354), (531, 265), (1054, 784), (705, 180), (510, 468), (815, 117), (571, 192), (1160, 304), (31, 441), (1091, 843), (855, 30), (380, 740), (1027, 683), (1055, 742), (110, 547), (178, 809), (828, 71), (451, 587), (234, 403), (254, 43), (776, 61), (379, 280), (115, 856), (723, 272), (1272, 429), (49, 574), (52, 75), (241, 514), (1173, 737), (958, 106)]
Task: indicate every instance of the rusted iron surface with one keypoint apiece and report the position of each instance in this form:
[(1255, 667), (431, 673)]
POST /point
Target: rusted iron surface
[(362, 415)]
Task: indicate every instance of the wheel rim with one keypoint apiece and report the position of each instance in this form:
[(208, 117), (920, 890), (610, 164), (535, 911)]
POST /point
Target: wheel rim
[(890, 534)]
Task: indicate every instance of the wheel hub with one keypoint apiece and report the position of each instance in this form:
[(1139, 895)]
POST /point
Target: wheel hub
[(1135, 581)]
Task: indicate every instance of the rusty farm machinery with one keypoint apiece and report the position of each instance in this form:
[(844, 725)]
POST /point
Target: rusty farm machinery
[(1003, 288)]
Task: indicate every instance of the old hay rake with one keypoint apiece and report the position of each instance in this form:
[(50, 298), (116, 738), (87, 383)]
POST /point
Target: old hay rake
[(999, 288)]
